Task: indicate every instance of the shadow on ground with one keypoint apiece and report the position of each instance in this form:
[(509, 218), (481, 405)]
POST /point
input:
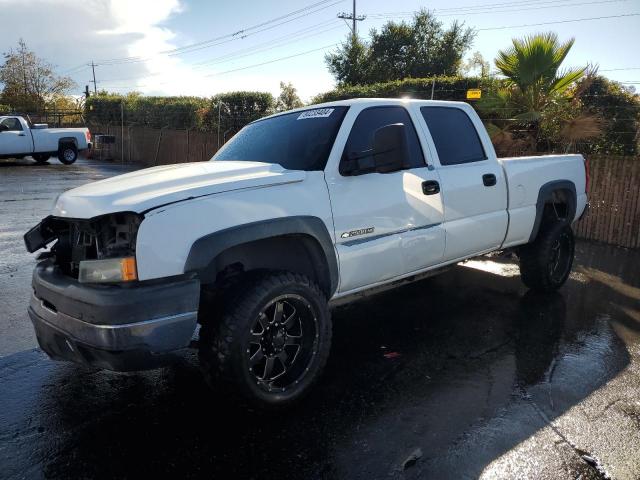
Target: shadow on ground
[(457, 370)]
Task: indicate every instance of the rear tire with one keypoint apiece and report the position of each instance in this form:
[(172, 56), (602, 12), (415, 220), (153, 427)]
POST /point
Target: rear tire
[(546, 263), (40, 157), (271, 341), (68, 153)]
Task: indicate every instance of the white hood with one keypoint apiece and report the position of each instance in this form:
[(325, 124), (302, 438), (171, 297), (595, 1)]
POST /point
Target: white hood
[(149, 188)]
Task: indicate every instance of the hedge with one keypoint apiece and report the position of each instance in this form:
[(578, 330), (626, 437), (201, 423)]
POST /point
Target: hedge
[(237, 109), (617, 106), (444, 88)]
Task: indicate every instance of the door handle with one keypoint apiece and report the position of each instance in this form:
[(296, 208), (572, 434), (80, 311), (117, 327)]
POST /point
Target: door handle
[(430, 187), (22, 134), (489, 179)]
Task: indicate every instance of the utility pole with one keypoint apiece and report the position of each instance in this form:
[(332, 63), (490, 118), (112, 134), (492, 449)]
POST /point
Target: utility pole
[(353, 17), (24, 68), (95, 85), (220, 103)]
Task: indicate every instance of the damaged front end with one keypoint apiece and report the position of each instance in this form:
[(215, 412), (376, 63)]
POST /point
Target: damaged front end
[(87, 305), (81, 243)]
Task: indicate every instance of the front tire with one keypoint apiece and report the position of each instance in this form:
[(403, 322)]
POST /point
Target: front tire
[(271, 342), (546, 263), (68, 154)]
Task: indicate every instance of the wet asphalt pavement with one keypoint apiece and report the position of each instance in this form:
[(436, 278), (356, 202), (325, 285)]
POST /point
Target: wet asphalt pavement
[(464, 375)]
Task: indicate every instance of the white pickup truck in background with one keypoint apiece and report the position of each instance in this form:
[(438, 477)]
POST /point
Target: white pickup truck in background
[(296, 210), (19, 139)]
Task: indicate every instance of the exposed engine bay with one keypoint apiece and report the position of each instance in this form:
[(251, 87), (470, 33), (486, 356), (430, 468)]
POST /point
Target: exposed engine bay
[(107, 236)]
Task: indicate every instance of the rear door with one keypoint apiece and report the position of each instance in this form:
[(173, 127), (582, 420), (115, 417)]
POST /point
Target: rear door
[(385, 224), (16, 140), (473, 182)]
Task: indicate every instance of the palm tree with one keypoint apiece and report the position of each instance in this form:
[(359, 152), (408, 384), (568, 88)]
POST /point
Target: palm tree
[(532, 68), (534, 84)]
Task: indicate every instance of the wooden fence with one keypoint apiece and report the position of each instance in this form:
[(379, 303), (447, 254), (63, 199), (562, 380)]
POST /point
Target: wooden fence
[(150, 147), (614, 195)]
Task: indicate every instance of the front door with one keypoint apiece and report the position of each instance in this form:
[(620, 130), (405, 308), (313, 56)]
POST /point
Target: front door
[(386, 224), (14, 140)]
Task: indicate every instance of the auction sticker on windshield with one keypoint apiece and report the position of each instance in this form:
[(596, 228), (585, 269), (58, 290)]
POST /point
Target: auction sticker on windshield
[(317, 113)]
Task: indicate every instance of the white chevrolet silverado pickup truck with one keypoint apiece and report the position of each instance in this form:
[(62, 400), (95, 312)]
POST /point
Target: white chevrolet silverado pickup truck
[(19, 139), (297, 210)]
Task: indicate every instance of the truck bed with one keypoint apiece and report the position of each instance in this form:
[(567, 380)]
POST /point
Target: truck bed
[(525, 176)]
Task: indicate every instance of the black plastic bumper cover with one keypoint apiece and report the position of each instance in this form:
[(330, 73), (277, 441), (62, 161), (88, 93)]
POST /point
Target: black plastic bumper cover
[(112, 327)]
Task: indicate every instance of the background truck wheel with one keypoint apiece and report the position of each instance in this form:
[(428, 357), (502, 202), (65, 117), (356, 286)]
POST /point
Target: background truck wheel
[(40, 157), (68, 153), (272, 340), (546, 263)]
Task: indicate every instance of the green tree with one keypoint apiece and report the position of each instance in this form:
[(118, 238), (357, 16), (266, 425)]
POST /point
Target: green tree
[(619, 108), (418, 49), (29, 82), (349, 63), (532, 67), (288, 98), (476, 63), (537, 94)]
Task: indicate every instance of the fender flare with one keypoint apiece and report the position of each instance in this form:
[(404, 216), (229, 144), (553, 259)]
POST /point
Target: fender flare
[(204, 250), (66, 140), (545, 194)]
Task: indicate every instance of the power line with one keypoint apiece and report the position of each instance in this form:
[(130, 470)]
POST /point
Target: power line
[(248, 66), (249, 51), (353, 17), (471, 8), (512, 8), (282, 17), (275, 60), (270, 27), (237, 35), (558, 22), (617, 69), (278, 42), (76, 69)]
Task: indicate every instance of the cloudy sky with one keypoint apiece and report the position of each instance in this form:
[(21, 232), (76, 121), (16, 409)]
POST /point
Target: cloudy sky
[(202, 47)]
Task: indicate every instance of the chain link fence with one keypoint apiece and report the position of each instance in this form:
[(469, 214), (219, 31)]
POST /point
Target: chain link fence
[(615, 186)]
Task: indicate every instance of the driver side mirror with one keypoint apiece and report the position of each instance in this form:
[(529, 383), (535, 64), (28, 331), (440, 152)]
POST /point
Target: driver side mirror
[(3, 128), (390, 153), (390, 150)]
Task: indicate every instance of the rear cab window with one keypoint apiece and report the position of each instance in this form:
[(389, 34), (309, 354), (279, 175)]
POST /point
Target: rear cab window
[(454, 135)]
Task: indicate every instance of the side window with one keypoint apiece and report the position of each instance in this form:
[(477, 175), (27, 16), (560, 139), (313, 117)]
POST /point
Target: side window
[(454, 135), (13, 124), (371, 119)]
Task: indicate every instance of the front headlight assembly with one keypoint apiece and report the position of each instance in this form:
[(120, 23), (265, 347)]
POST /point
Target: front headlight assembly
[(108, 270)]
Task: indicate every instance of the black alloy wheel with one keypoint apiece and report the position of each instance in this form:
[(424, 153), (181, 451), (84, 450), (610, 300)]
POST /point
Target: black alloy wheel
[(561, 257), (269, 340), (283, 342), (545, 264)]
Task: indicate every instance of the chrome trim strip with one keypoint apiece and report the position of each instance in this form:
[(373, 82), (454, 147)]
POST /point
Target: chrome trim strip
[(358, 241)]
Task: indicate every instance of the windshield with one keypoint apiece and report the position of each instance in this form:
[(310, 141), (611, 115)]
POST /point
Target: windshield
[(298, 141)]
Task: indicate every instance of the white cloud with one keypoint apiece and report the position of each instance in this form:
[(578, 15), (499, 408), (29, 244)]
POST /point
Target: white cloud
[(71, 33), (142, 16)]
